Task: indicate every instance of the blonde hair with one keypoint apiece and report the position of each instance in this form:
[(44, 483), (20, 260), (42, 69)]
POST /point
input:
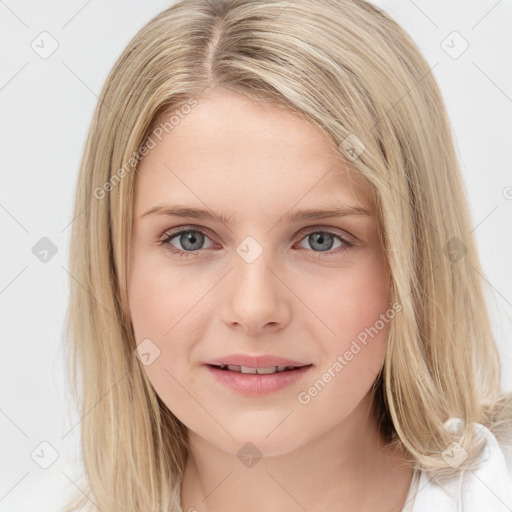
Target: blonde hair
[(346, 67)]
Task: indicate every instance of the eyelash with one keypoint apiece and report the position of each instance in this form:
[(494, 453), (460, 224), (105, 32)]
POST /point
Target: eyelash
[(317, 254)]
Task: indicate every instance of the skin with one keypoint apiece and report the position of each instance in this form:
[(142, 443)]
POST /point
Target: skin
[(234, 156)]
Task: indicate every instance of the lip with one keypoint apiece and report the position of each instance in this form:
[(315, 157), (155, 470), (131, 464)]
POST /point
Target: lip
[(261, 361), (257, 384)]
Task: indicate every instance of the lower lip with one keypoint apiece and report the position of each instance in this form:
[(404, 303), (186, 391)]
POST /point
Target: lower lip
[(258, 384)]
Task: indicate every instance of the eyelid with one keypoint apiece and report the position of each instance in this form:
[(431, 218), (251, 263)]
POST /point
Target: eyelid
[(169, 233), (345, 235)]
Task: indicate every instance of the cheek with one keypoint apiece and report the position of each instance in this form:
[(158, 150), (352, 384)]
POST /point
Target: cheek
[(162, 300), (165, 309), (363, 298), (356, 309), (351, 303)]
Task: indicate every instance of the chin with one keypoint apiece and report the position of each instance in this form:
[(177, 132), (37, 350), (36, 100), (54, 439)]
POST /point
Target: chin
[(258, 442)]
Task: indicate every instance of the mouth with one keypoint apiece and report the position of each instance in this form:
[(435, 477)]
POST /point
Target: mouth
[(255, 381), (257, 371)]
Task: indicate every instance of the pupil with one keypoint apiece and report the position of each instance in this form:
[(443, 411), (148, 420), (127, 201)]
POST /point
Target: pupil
[(319, 239), (190, 241)]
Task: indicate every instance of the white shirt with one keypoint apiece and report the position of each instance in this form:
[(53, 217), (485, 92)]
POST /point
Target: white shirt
[(485, 489)]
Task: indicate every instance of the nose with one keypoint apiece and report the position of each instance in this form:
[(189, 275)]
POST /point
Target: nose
[(256, 298)]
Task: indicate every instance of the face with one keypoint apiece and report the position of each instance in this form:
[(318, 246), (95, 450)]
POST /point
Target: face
[(261, 281)]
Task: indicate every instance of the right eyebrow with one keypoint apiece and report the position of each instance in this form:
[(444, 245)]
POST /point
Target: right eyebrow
[(192, 213)]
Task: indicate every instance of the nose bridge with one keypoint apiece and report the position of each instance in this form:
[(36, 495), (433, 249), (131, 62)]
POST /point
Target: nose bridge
[(250, 250), (255, 296), (252, 266)]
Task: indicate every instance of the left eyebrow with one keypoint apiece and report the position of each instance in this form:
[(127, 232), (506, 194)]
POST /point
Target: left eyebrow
[(336, 211), (293, 216)]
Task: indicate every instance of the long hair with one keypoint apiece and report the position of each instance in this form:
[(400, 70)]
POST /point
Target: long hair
[(349, 69)]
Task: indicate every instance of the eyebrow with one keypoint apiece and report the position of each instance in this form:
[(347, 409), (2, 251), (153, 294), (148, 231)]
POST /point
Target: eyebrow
[(293, 216)]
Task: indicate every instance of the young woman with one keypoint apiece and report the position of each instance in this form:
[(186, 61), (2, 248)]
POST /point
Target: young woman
[(276, 301)]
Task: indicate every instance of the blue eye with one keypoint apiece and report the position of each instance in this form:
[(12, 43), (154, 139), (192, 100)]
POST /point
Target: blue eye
[(192, 241), (323, 240)]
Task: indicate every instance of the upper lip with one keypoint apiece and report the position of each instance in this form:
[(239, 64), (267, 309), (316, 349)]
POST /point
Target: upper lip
[(249, 361)]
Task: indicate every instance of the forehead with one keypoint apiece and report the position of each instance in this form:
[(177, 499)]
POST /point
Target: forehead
[(237, 152)]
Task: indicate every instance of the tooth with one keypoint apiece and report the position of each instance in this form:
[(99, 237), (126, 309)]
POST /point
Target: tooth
[(246, 369), (281, 368), (271, 369), (222, 366), (233, 367)]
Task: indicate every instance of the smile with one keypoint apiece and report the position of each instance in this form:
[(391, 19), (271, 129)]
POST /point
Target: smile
[(261, 371)]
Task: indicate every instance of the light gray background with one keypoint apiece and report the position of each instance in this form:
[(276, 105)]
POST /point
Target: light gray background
[(47, 105)]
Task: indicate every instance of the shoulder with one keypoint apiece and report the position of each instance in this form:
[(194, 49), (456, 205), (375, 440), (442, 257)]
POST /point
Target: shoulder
[(488, 487)]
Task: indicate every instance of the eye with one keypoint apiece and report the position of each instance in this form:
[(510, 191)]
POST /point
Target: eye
[(192, 241), (322, 241)]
